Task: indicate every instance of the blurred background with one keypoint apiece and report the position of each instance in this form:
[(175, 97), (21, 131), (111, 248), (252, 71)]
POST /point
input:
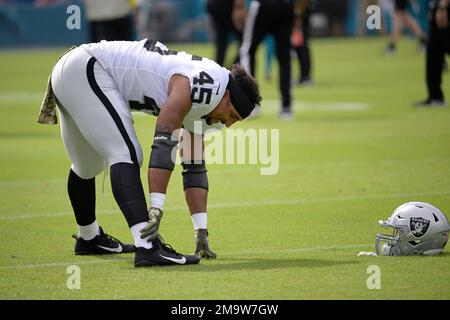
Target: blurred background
[(355, 147), (43, 22)]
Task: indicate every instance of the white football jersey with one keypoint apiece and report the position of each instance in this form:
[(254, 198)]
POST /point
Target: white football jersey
[(142, 70)]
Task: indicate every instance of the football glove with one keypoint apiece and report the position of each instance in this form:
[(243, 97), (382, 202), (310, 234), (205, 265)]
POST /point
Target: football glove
[(202, 247), (151, 230)]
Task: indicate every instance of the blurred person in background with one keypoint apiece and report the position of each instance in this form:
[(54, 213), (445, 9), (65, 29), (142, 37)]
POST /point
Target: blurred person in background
[(109, 20), (438, 45), (142, 16), (269, 43), (300, 40), (220, 12), (400, 18), (18, 1), (262, 18), (41, 3), (336, 12)]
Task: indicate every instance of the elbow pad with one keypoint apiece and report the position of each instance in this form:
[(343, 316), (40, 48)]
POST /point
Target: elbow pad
[(164, 152)]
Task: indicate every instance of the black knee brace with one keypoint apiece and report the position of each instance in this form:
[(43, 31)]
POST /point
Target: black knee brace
[(163, 152), (194, 175)]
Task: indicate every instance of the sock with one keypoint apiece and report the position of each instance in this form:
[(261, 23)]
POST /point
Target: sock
[(157, 200), (82, 197), (88, 232), (138, 242), (129, 193), (200, 220)]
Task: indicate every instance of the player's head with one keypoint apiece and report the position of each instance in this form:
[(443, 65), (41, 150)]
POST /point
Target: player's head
[(239, 100)]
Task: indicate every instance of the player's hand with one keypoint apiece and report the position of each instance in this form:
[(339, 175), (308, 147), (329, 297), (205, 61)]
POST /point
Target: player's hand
[(297, 39), (239, 15), (442, 18), (206, 253), (151, 230), (202, 246)]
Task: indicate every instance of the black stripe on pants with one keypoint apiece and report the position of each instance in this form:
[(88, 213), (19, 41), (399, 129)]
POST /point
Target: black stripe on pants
[(438, 45), (112, 111), (125, 178)]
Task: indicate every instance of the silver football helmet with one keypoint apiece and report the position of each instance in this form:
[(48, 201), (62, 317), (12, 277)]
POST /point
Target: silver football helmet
[(418, 228)]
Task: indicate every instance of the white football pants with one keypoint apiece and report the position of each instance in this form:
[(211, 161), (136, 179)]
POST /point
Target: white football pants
[(96, 122)]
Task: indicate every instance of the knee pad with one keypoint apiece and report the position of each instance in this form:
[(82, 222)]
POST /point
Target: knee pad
[(164, 151), (194, 175)]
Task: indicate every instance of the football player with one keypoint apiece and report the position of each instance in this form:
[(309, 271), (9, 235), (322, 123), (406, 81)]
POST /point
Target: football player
[(401, 17), (437, 47), (95, 87), (261, 18)]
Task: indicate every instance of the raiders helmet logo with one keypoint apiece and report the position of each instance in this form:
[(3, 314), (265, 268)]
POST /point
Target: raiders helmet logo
[(419, 226)]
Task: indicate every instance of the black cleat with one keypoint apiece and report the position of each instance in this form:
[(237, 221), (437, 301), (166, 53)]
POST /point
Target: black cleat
[(390, 49), (306, 81), (431, 103), (286, 115), (161, 254), (101, 244)]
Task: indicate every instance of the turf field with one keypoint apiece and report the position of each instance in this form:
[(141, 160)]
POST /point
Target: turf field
[(356, 150)]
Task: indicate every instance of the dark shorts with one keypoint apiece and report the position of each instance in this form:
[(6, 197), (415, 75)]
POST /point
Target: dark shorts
[(401, 5)]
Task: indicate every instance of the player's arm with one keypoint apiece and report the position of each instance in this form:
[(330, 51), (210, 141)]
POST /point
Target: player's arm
[(239, 14), (195, 179), (303, 4), (195, 183), (162, 156), (299, 12), (442, 19)]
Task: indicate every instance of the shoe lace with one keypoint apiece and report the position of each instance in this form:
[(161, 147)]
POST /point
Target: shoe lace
[(167, 246), (111, 239)]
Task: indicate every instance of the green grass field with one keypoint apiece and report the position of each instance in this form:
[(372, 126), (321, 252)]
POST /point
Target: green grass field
[(356, 150)]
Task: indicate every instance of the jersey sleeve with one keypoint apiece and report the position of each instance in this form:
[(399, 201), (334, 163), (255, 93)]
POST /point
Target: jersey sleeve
[(208, 84)]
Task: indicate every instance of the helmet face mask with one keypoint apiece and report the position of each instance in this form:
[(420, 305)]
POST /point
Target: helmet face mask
[(418, 228), (392, 243)]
